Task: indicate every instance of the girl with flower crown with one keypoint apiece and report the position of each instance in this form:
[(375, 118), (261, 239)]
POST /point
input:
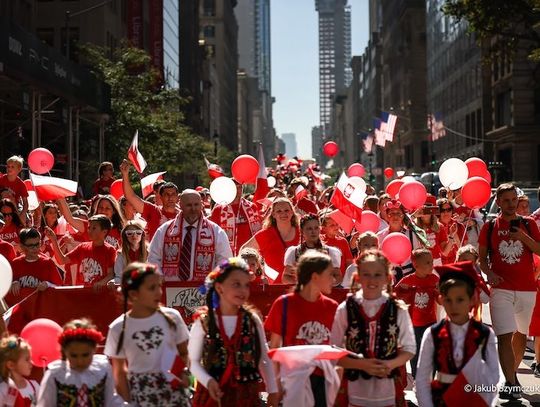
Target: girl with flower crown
[(141, 339), (81, 378), (227, 348)]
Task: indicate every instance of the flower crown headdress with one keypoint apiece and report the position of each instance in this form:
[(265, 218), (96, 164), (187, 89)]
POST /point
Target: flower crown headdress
[(88, 334), (137, 273), (231, 262)]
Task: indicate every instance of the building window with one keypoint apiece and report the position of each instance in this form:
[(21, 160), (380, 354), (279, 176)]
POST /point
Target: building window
[(46, 35), (209, 8), (502, 109), (209, 31)]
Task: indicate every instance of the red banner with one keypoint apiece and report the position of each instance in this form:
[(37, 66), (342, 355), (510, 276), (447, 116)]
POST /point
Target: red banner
[(156, 34), (135, 23)]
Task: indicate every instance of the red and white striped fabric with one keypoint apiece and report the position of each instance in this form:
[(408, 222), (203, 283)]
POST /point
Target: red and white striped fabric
[(147, 183), (262, 189), (300, 192), (348, 198), (214, 170), (135, 156), (52, 188)]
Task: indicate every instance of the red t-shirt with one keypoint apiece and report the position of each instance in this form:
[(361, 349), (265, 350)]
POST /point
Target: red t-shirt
[(307, 323), (102, 186), (93, 261), (7, 250), (114, 237), (511, 259), (31, 273), (435, 239), (451, 257), (243, 230), (420, 295), (272, 248), (155, 216), (343, 245), (10, 233), (17, 187)]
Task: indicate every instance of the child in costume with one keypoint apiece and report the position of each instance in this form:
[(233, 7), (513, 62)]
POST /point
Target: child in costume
[(81, 378), (378, 328), (15, 366), (227, 348), (140, 340), (456, 345)]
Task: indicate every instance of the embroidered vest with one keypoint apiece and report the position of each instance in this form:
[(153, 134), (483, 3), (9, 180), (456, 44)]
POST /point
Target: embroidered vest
[(375, 337), (443, 355), (204, 246), (227, 221), (246, 367)]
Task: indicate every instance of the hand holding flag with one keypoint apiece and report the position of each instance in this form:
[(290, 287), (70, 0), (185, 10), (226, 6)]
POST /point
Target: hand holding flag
[(135, 156)]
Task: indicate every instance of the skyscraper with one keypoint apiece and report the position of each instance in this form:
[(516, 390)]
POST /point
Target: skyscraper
[(334, 53), (291, 149)]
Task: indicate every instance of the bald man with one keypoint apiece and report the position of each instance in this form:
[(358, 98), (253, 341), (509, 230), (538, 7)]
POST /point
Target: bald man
[(189, 246)]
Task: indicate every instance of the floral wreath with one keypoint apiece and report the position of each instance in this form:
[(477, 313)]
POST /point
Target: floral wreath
[(88, 334), (137, 273), (231, 262)]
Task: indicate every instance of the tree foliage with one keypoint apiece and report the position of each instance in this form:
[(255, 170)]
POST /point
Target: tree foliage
[(512, 21), (138, 102)]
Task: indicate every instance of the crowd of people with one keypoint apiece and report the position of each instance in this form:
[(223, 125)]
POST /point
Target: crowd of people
[(425, 312)]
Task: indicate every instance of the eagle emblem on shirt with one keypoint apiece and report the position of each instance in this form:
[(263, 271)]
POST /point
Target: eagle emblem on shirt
[(171, 251), (421, 300), (511, 251)]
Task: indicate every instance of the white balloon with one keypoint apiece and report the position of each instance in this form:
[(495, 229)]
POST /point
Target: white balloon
[(453, 173), (408, 179), (359, 183), (33, 202), (223, 190), (6, 276), (271, 182)]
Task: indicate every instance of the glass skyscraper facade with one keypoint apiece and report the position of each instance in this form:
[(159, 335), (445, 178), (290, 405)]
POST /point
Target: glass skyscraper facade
[(171, 35)]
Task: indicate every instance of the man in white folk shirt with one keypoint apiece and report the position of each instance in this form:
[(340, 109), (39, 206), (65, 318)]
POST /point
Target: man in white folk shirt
[(189, 246)]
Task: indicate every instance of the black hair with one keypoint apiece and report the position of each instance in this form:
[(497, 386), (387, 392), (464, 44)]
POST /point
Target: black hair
[(165, 186), (103, 222), (28, 233), (456, 280), (306, 218), (15, 217)]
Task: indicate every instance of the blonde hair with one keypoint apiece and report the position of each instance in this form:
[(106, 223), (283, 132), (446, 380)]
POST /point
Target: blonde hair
[(271, 221), (11, 349), (376, 256), (467, 249), (17, 159)]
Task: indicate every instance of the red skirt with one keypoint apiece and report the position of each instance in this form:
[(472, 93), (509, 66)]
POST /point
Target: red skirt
[(234, 395)]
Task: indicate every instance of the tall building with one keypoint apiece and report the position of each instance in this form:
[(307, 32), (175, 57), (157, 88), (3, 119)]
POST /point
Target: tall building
[(317, 143), (334, 53), (254, 58), (291, 147)]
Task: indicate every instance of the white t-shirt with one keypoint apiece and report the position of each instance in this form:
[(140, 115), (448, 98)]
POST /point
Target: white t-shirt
[(147, 341), (333, 252)]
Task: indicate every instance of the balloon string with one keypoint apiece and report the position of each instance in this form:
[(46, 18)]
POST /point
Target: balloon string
[(465, 233)]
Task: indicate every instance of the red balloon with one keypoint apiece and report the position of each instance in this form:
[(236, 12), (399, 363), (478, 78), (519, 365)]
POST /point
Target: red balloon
[(370, 222), (28, 184), (42, 335), (476, 192), (396, 247), (356, 170), (476, 167), (393, 187), (388, 172), (40, 160), (487, 176), (245, 169), (412, 195), (117, 189), (330, 149)]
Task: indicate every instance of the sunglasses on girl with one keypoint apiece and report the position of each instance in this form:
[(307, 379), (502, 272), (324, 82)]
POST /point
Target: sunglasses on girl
[(130, 233), (393, 204)]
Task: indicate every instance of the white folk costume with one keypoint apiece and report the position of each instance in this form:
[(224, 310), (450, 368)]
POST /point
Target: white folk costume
[(377, 329), (61, 386), (210, 246), (228, 221)]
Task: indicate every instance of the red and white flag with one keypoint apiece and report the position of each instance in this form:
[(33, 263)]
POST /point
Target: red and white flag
[(262, 188), (214, 170), (300, 192), (270, 273), (52, 188), (344, 221), (135, 156), (348, 198), (474, 375), (147, 183)]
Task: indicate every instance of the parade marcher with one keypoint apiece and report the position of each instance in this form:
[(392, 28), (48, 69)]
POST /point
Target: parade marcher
[(507, 244), (470, 253), (105, 179), (81, 378), (139, 339), (435, 233), (256, 265), (305, 316), (189, 246), (330, 231), (375, 325), (32, 269), (311, 240), (7, 250), (227, 349), (15, 366), (9, 232), (240, 220), (134, 248), (303, 204), (280, 231), (155, 215), (95, 258), (455, 231), (15, 185), (456, 343), (366, 241)]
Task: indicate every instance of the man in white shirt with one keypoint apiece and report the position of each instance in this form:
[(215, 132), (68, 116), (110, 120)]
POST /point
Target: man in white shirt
[(189, 246)]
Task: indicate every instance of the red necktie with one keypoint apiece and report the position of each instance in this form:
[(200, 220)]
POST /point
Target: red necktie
[(184, 272)]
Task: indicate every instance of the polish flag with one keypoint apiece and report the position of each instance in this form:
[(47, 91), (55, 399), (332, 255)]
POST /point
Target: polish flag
[(300, 192), (52, 188), (348, 198), (214, 170), (270, 273), (345, 222), (262, 188), (147, 183), (135, 156), (475, 373)]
